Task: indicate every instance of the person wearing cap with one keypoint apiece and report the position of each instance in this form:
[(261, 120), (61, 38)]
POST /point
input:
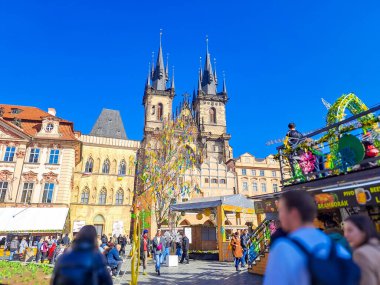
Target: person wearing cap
[(144, 249)]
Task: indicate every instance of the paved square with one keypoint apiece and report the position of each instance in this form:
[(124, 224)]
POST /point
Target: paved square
[(197, 273)]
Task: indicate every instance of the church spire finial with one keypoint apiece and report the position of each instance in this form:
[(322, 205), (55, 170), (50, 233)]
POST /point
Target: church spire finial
[(159, 77), (160, 38), (215, 76), (148, 79), (208, 80), (200, 81), (167, 67), (207, 44), (172, 83), (152, 67), (224, 83)]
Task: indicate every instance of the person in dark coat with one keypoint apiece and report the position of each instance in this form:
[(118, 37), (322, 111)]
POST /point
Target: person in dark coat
[(83, 264), (114, 260), (244, 244), (144, 249), (66, 240), (185, 248)]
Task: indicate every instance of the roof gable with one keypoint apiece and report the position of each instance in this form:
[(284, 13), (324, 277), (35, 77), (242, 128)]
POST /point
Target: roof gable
[(10, 131)]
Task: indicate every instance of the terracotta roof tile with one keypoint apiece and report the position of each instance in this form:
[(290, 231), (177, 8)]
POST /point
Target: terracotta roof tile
[(27, 113), (31, 121)]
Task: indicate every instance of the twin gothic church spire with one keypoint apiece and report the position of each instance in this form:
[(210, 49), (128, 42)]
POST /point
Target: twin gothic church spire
[(158, 74)]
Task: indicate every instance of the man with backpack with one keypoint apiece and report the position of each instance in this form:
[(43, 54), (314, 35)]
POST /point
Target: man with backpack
[(13, 247), (306, 256)]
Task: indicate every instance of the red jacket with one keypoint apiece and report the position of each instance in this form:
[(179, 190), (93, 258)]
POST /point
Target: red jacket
[(51, 251)]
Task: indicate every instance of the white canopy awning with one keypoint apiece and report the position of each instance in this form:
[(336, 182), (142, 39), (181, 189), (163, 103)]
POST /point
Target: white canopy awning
[(32, 220)]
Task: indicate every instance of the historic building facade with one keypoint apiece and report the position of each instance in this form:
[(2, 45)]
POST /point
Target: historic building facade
[(207, 111), (104, 179), (38, 152), (256, 176)]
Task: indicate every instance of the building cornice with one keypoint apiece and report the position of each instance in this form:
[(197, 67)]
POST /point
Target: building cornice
[(107, 142)]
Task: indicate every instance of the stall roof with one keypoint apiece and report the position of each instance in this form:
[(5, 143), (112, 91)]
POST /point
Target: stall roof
[(237, 200), (32, 220)]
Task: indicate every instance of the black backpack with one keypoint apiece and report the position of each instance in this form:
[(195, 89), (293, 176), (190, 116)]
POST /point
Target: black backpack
[(334, 270)]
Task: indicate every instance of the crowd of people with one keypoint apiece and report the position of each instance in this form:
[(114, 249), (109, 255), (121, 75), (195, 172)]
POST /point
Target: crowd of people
[(47, 248), (160, 247), (304, 254), (97, 258)]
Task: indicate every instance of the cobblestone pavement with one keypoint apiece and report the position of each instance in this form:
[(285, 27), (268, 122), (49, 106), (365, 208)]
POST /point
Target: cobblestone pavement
[(197, 273)]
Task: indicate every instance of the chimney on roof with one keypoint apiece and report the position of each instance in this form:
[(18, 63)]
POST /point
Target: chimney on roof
[(52, 111)]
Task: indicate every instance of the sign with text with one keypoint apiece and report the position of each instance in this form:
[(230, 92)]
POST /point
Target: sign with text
[(354, 197), (118, 228), (360, 196), (78, 225)]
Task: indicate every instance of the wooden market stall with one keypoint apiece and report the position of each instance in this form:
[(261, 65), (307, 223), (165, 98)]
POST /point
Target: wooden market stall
[(221, 206)]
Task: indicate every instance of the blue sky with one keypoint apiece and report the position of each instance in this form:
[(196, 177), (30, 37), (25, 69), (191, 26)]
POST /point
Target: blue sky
[(279, 57)]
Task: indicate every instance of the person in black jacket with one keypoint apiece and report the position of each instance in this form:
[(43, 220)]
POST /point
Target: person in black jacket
[(244, 244), (293, 138), (83, 264), (185, 248)]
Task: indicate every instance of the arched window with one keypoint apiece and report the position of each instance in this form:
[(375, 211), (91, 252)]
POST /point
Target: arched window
[(106, 166), (122, 168), (119, 197), (103, 197), (212, 115), (84, 196), (89, 165), (185, 223), (160, 111)]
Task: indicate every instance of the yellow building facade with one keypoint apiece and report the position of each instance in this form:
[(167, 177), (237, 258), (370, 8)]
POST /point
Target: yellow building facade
[(256, 176), (104, 180)]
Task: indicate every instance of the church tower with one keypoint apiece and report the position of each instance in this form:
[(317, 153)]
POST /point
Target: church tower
[(210, 111), (158, 98)]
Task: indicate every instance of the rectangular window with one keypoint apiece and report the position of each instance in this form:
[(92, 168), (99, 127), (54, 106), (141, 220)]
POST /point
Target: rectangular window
[(253, 172), (274, 174), (222, 181), (84, 197), (263, 187), (34, 155), (206, 180), (3, 190), (262, 173), (209, 233), (275, 188), (244, 171), (254, 186), (214, 180), (27, 192), (54, 156), (9, 153), (48, 193), (245, 186)]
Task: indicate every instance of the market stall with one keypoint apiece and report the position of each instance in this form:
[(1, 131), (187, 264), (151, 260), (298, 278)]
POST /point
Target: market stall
[(220, 207), (31, 223)]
